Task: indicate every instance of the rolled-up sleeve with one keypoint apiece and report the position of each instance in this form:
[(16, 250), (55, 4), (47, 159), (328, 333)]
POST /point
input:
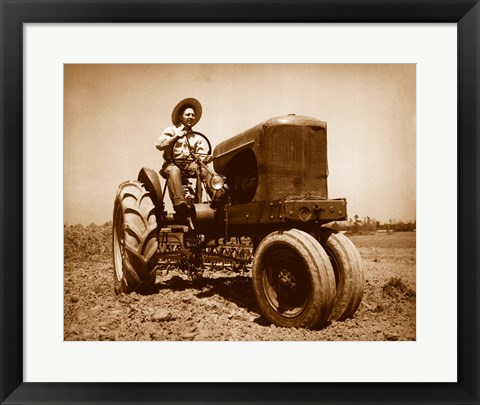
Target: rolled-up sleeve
[(166, 138)]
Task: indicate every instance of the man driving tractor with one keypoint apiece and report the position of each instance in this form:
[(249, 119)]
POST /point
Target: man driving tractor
[(269, 193), (178, 142)]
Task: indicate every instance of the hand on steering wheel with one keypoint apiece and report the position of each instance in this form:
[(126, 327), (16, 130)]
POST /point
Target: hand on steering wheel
[(185, 161)]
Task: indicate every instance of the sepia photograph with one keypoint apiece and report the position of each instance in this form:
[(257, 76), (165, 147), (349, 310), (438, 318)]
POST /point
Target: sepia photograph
[(252, 202), (240, 202)]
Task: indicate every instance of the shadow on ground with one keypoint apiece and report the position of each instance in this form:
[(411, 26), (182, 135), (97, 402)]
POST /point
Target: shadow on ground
[(237, 289)]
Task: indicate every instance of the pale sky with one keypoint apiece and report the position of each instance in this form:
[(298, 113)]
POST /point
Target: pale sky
[(115, 113)]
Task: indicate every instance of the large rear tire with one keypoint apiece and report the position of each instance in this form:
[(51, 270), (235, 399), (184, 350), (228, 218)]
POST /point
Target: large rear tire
[(135, 239), (348, 269), (293, 279)]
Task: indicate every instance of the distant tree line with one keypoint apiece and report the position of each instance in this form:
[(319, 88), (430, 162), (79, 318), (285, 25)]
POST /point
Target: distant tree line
[(359, 224)]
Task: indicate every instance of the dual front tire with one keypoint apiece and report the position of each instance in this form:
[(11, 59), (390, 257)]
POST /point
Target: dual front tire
[(347, 268), (304, 281)]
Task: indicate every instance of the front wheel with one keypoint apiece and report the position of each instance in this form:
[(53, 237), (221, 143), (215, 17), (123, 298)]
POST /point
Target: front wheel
[(293, 279), (348, 269), (135, 242)]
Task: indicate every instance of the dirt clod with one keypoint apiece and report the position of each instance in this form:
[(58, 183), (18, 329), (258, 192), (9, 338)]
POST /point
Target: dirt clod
[(391, 336), (161, 315)]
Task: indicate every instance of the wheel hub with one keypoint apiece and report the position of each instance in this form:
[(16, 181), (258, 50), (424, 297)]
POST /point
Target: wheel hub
[(286, 280)]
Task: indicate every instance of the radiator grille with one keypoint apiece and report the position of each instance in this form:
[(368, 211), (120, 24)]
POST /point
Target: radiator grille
[(297, 161)]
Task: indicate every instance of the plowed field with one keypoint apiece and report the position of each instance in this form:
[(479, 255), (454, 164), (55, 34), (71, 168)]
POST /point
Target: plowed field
[(221, 306)]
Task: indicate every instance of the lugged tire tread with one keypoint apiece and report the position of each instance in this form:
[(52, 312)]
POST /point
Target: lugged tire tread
[(141, 244)]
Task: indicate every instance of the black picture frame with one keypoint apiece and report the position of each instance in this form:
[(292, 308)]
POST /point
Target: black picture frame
[(465, 13)]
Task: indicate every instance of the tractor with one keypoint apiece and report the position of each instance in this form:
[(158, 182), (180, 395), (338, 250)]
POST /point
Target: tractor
[(273, 178)]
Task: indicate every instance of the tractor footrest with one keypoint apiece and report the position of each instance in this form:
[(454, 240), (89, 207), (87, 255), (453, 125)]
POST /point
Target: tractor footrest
[(174, 228)]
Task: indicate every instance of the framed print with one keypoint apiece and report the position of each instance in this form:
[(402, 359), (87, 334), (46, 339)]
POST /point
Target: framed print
[(64, 66)]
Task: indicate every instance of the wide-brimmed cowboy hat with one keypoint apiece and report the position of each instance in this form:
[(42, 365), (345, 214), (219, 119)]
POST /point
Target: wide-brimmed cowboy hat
[(182, 105)]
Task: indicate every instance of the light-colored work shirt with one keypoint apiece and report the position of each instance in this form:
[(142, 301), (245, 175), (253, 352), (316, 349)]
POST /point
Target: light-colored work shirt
[(181, 150)]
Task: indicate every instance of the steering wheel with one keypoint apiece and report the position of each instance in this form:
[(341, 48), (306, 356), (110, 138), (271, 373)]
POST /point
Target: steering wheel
[(185, 161)]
